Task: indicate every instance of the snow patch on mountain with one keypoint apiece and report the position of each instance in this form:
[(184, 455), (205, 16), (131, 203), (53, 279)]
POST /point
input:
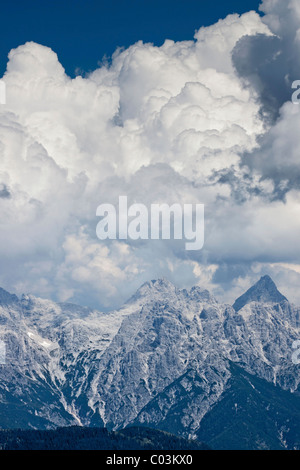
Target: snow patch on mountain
[(162, 359)]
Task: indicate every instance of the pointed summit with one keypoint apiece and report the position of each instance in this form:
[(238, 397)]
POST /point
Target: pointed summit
[(264, 291), (6, 298)]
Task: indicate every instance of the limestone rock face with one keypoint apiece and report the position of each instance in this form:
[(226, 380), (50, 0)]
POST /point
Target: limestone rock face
[(264, 291)]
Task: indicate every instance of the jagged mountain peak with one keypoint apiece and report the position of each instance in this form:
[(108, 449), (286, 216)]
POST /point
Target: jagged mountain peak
[(165, 358), (264, 291), (154, 288), (160, 284), (6, 298), (160, 288)]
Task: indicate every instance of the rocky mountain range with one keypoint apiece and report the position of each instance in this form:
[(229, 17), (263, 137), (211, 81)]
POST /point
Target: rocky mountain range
[(172, 359), (92, 438)]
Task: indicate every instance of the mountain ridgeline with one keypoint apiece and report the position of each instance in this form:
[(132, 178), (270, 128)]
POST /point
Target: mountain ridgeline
[(174, 360)]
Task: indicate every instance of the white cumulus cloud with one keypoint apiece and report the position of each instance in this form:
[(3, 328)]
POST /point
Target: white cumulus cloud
[(176, 123)]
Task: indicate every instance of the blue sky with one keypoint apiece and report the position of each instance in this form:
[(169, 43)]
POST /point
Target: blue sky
[(81, 32)]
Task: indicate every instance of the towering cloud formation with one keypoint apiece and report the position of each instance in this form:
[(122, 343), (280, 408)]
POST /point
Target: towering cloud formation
[(205, 121)]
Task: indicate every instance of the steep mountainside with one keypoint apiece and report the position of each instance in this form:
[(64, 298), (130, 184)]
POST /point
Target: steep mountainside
[(264, 291), (252, 414), (79, 438), (163, 360)]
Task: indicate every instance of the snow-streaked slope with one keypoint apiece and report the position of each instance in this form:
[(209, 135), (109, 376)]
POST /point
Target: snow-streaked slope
[(163, 358)]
